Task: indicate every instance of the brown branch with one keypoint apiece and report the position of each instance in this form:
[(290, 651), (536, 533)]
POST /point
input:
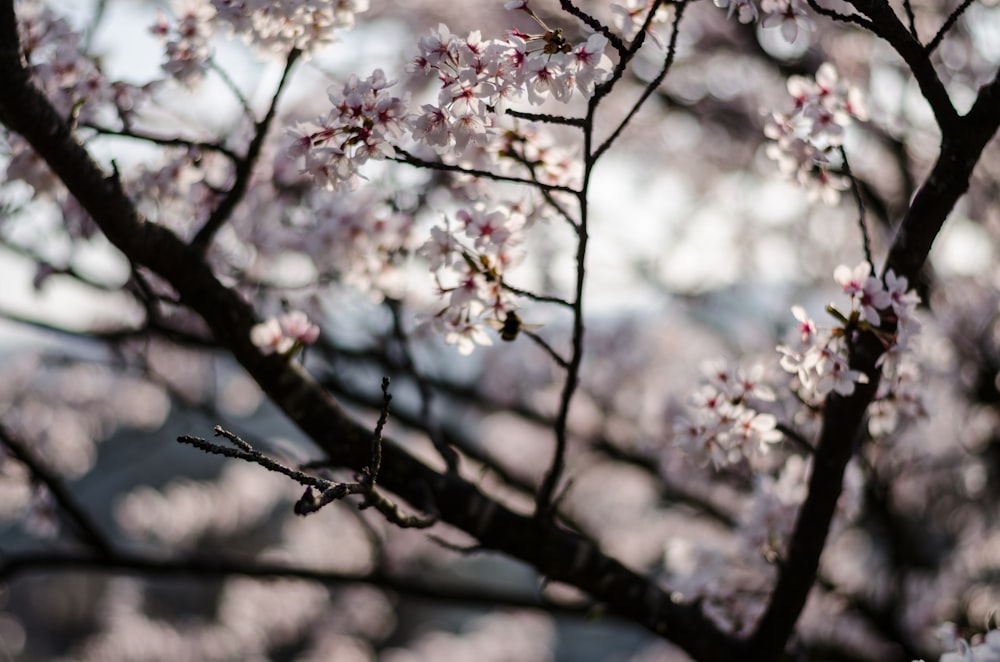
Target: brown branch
[(165, 141), (843, 418), (885, 24)]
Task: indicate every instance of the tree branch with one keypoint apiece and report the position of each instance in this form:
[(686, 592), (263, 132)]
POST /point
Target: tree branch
[(885, 24), (86, 527), (245, 165), (843, 418)]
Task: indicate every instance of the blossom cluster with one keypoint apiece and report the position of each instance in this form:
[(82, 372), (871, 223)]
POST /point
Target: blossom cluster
[(724, 424), (268, 24), (469, 264), (629, 17), (73, 81), (984, 649), (807, 137), (363, 118), (284, 334), (477, 79), (788, 15), (70, 78), (818, 357)]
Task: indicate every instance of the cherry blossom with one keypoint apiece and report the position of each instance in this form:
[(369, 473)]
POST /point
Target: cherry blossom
[(722, 425), (866, 291), (787, 15), (186, 43), (805, 139), (980, 649), (745, 10), (819, 359), (284, 334)]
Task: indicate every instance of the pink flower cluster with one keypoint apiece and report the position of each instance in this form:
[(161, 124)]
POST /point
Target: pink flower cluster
[(477, 79), (630, 17), (363, 118), (69, 77), (805, 138), (285, 334), (471, 276), (788, 15), (984, 648), (186, 43), (818, 357), (724, 425), (267, 24)]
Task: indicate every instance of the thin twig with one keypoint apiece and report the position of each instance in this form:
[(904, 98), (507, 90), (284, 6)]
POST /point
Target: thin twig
[(406, 157), (546, 118), (383, 417), (329, 491), (86, 527), (856, 19), (651, 87), (911, 19), (245, 165), (593, 24), (231, 84), (546, 194), (166, 141), (446, 452), (948, 25), (795, 437), (866, 241), (528, 294), (541, 342)]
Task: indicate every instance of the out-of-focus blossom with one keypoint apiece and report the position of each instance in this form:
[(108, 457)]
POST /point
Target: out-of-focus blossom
[(284, 334), (805, 139)]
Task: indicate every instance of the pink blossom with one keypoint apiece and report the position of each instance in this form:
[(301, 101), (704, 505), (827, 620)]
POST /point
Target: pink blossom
[(296, 326), (283, 334), (269, 337)]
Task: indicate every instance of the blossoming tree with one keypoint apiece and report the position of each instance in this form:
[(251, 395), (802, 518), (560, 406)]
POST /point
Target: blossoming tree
[(754, 485)]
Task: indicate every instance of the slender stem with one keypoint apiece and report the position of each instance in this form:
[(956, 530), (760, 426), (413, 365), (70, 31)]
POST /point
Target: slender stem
[(541, 342), (653, 84), (528, 294), (594, 24), (245, 165), (86, 526), (167, 141), (911, 19), (233, 87), (430, 423), (948, 25), (857, 19), (406, 157), (866, 241), (546, 118)]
